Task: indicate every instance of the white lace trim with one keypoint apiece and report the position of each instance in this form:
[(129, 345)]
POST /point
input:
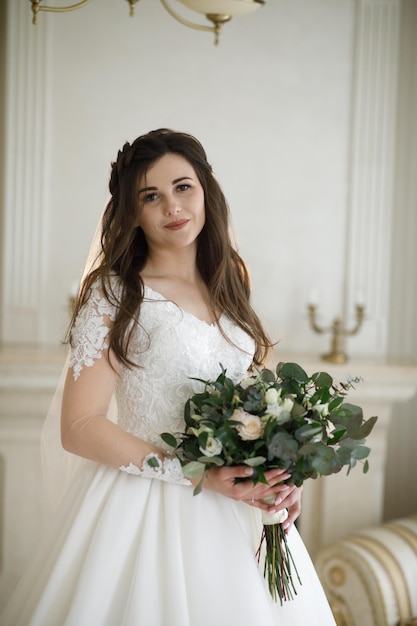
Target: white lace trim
[(90, 331), (168, 470)]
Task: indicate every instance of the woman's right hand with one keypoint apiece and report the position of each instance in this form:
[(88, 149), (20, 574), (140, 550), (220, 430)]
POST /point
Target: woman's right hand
[(222, 480)]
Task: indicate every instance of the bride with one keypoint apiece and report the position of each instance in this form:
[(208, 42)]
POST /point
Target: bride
[(166, 300)]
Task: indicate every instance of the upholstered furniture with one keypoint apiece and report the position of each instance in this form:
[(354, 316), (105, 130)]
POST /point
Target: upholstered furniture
[(370, 577)]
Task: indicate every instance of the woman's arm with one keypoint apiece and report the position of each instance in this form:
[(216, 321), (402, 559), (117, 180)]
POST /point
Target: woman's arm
[(85, 431)]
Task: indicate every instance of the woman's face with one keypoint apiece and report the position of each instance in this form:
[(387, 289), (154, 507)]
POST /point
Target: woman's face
[(171, 203)]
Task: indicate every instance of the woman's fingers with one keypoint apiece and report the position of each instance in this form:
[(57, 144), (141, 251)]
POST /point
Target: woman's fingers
[(274, 495), (293, 507), (289, 499)]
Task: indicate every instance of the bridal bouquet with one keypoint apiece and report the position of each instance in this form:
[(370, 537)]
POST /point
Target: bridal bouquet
[(283, 419)]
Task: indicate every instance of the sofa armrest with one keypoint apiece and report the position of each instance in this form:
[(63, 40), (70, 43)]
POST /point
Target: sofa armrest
[(370, 578)]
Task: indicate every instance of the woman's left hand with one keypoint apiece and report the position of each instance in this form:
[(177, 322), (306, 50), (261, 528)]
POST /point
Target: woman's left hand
[(287, 497), (291, 500)]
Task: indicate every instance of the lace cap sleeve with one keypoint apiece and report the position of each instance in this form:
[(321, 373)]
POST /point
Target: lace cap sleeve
[(90, 331)]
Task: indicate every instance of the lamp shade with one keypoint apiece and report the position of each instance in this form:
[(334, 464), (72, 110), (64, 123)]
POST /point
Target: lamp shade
[(225, 7)]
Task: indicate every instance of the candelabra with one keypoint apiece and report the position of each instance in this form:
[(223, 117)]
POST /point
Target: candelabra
[(72, 301), (338, 332)]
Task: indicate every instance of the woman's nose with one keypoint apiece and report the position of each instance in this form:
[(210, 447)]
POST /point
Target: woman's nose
[(172, 206)]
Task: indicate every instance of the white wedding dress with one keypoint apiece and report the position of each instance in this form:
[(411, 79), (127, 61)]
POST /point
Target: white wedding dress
[(125, 550)]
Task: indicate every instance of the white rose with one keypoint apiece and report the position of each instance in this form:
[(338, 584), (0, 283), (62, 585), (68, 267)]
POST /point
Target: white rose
[(250, 426), (287, 404), (278, 411), (330, 427), (322, 409), (271, 396), (247, 381), (213, 447)]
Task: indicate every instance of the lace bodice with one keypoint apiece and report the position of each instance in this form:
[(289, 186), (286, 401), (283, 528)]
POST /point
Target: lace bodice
[(171, 346)]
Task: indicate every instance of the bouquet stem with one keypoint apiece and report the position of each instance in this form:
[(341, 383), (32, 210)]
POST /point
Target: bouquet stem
[(279, 563)]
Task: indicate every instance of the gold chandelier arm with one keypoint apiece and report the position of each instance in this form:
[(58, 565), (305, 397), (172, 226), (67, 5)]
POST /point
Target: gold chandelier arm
[(217, 18), (36, 7), (185, 22)]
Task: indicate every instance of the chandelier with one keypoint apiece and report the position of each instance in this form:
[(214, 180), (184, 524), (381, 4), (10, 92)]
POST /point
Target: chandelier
[(218, 12)]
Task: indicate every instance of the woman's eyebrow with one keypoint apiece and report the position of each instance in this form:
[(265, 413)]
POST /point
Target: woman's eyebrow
[(147, 189), (177, 180), (174, 182)]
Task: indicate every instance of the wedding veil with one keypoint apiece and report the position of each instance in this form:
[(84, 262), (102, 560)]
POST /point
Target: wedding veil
[(59, 467)]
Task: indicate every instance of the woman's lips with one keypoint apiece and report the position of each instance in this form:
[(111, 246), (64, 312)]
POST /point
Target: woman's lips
[(177, 225)]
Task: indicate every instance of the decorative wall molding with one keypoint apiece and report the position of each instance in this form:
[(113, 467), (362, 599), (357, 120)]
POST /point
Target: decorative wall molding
[(27, 383), (24, 223), (372, 167), (403, 289), (403, 279)]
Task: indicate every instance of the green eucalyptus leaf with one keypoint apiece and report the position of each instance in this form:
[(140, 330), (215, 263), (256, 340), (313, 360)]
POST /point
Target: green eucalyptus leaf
[(284, 447), (348, 442), (336, 436), (322, 465), (351, 410), (325, 452), (351, 465), (292, 370), (187, 413), (308, 449), (194, 469), (322, 379), (202, 439), (213, 460), (267, 376), (344, 455), (307, 431), (199, 487), (254, 461), (361, 453), (298, 410), (365, 467), (169, 439), (365, 429), (336, 402)]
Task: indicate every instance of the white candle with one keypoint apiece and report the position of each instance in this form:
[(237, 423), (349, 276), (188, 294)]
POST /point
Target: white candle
[(314, 297), (74, 288), (360, 298)]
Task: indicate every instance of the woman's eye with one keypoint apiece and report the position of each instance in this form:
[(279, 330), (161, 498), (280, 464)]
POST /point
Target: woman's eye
[(183, 187), (150, 197)]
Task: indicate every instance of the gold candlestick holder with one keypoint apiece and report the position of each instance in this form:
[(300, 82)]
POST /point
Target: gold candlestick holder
[(338, 332), (72, 301)]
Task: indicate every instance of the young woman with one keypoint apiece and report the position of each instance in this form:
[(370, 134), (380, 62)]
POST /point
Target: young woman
[(166, 301)]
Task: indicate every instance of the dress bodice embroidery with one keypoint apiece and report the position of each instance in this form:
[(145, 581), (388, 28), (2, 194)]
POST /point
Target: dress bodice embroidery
[(171, 348)]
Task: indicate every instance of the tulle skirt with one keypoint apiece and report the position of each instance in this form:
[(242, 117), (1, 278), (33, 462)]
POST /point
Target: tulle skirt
[(128, 551)]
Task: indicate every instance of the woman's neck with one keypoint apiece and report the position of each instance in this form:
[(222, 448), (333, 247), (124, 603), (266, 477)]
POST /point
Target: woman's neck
[(180, 265)]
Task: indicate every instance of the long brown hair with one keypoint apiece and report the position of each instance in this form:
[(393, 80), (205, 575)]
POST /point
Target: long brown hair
[(124, 249)]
